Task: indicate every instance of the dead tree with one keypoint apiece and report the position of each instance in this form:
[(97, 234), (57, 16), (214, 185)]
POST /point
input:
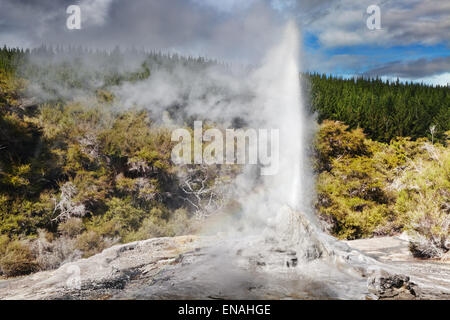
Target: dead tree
[(66, 206), (205, 192)]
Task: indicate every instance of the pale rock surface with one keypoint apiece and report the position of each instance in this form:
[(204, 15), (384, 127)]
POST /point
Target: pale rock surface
[(269, 265)]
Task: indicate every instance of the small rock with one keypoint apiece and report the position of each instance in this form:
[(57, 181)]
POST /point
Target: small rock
[(389, 286)]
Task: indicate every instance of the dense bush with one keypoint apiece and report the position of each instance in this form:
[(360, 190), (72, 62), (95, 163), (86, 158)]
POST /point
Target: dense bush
[(366, 188), (51, 251), (71, 228), (77, 176), (84, 174), (334, 140), (18, 259), (424, 197), (351, 198), (90, 243)]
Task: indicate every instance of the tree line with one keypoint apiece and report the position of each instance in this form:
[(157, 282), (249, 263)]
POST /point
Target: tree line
[(384, 109)]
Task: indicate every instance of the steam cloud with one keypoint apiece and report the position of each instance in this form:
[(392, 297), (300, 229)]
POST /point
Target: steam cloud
[(267, 96)]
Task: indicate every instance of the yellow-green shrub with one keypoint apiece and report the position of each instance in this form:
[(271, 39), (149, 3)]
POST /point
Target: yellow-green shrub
[(334, 140), (377, 188), (18, 259), (424, 197), (90, 243), (71, 227)]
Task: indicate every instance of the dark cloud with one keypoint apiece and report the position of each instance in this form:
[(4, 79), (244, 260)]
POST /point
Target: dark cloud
[(343, 22), (413, 69), (193, 27), (231, 30)]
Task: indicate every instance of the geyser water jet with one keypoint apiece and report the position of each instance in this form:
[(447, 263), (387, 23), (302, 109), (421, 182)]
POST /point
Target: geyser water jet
[(282, 107)]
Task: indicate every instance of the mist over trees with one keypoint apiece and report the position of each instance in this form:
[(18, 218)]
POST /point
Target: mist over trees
[(384, 109)]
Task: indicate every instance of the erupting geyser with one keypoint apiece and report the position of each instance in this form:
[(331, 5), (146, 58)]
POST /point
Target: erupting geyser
[(276, 249), (277, 85), (284, 110)]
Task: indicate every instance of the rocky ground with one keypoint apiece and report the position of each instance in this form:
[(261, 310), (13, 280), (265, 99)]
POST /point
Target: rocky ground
[(432, 275), (213, 268), (288, 260)]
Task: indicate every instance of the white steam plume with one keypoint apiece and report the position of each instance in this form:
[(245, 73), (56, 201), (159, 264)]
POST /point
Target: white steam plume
[(267, 97)]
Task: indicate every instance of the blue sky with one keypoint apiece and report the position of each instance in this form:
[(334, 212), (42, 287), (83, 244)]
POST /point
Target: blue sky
[(376, 56), (413, 42)]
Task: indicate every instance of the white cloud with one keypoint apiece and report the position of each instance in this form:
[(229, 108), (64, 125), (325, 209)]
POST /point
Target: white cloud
[(436, 80), (414, 69), (225, 5), (343, 23), (440, 79), (95, 12), (232, 30)]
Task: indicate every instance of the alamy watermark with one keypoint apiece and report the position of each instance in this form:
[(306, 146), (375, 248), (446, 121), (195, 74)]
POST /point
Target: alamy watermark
[(242, 146), (73, 281), (373, 22), (73, 21)]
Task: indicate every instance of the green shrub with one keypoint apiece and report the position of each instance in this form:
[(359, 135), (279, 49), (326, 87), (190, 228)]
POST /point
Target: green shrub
[(4, 241), (335, 140), (71, 227), (424, 197), (179, 222), (151, 228), (122, 212), (22, 216), (90, 243), (351, 197)]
